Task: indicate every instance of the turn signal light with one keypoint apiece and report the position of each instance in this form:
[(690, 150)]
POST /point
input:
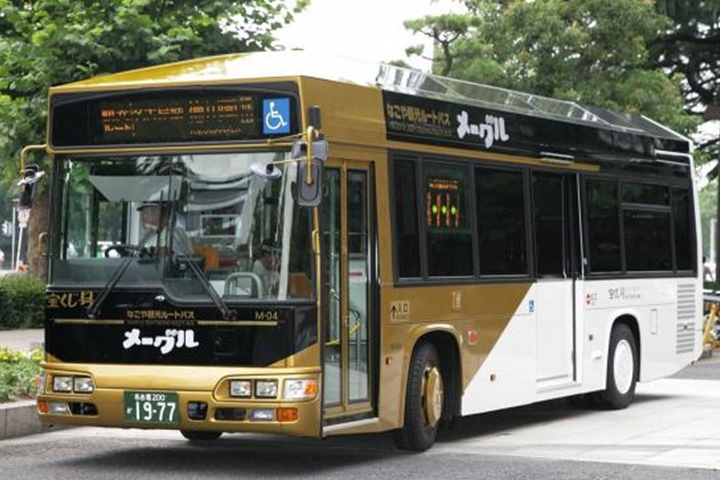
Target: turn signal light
[(42, 406), (286, 414), (301, 389)]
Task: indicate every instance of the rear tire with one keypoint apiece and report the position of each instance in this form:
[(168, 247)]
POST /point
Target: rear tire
[(424, 400), (622, 370), (200, 436)]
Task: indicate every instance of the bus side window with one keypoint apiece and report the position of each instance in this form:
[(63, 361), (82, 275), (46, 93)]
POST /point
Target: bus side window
[(447, 220), (406, 219), (501, 221), (682, 215), (603, 226)]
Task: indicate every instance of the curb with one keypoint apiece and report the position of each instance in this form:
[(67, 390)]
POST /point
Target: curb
[(18, 419)]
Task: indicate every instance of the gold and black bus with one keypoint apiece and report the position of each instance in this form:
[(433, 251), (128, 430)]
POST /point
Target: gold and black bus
[(275, 243)]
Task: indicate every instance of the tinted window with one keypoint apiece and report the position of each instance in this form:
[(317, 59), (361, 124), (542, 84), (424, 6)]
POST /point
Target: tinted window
[(603, 226), (406, 219), (647, 194), (549, 224), (449, 237), (501, 222), (648, 244), (683, 228)]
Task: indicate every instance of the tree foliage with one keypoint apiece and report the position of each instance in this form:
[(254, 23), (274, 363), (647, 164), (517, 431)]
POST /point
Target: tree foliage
[(591, 51), (50, 42), (691, 48)]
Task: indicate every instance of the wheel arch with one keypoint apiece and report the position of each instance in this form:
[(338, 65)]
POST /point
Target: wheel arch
[(632, 323)]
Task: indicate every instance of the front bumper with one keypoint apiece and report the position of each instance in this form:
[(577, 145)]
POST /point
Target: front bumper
[(105, 407)]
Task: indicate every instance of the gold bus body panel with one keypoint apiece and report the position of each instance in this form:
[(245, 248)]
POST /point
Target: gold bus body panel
[(354, 125)]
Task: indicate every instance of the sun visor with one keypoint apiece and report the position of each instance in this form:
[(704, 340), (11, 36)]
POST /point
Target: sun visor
[(135, 188)]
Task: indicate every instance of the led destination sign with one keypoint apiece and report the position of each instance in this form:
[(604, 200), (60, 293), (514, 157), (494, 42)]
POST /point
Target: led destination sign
[(442, 204), (146, 119), (172, 117)]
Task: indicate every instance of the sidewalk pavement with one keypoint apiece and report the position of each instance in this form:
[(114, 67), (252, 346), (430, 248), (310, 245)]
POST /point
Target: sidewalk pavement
[(22, 340), (18, 419)]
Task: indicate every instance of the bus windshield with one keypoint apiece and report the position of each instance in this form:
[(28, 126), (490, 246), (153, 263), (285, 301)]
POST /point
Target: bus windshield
[(152, 216)]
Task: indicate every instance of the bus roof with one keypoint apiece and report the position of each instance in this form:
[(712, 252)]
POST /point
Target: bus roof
[(265, 65)]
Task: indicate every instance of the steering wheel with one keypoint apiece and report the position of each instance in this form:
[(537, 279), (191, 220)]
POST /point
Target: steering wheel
[(123, 250)]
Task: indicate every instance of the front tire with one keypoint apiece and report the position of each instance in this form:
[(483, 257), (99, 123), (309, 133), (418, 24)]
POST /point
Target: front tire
[(200, 436), (424, 400), (622, 369)]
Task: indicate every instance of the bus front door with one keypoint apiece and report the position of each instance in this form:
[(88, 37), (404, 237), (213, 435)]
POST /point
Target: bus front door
[(347, 270), (556, 253)]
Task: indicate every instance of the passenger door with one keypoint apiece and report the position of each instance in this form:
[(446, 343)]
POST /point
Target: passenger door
[(556, 223), (347, 270)]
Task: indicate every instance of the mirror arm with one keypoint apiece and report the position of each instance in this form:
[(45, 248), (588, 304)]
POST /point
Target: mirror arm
[(312, 134), (28, 149)]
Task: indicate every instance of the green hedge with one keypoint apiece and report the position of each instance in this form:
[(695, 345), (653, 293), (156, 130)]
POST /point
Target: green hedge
[(18, 372), (22, 302)]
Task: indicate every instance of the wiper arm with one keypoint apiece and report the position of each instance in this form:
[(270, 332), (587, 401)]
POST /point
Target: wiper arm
[(94, 309), (205, 282), (199, 273)]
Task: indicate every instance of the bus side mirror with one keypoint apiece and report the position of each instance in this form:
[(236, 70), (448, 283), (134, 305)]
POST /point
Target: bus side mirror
[(30, 176), (309, 184), (309, 194)]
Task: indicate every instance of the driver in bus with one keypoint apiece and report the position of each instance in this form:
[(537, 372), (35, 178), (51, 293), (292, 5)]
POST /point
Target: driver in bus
[(267, 266), (155, 220)]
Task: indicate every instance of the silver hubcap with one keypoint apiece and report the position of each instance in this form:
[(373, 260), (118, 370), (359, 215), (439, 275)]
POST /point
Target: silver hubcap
[(623, 366)]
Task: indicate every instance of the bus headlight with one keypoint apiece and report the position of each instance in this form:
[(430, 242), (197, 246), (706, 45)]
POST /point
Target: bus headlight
[(266, 388), (83, 385), (62, 384), (241, 388), (305, 389)]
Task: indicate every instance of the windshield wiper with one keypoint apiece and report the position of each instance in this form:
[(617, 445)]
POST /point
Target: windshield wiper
[(94, 309), (204, 280), (199, 273)]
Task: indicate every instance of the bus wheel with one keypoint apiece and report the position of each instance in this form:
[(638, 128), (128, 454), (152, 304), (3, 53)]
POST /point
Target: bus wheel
[(423, 401), (200, 436), (621, 371)]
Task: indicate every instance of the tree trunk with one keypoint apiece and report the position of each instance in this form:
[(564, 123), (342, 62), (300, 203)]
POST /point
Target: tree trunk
[(717, 230), (37, 263)]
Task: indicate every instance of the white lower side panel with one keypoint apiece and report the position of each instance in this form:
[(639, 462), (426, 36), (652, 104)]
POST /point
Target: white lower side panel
[(503, 379), (668, 315)]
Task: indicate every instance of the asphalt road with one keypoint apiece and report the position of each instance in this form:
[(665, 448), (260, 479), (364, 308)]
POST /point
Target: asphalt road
[(90, 453), (706, 369), (83, 455)]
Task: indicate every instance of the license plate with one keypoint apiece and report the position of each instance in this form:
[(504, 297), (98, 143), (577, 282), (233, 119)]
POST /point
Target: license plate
[(151, 407)]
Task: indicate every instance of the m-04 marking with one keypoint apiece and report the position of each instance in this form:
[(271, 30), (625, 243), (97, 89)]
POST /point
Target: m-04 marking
[(267, 315)]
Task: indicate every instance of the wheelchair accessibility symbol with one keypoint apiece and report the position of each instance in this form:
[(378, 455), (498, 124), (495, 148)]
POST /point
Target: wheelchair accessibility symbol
[(276, 115)]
